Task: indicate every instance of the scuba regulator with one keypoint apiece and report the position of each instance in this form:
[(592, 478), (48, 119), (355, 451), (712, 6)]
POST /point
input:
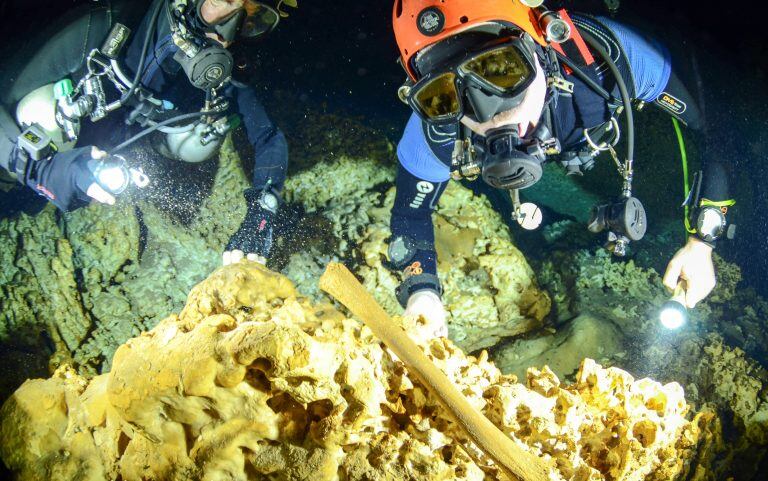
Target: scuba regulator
[(513, 164), (206, 63), (507, 161)]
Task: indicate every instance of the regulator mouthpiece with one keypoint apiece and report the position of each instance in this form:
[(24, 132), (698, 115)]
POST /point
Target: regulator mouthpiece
[(506, 166)]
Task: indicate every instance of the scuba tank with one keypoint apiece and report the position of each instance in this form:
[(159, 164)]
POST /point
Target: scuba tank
[(195, 142), (40, 107)]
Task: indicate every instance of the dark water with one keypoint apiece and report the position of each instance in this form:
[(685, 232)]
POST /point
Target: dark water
[(339, 56)]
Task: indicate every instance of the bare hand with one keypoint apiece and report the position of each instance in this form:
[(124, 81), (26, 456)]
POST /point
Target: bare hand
[(235, 256), (692, 264)]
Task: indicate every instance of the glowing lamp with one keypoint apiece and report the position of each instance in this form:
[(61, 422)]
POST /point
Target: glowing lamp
[(113, 176), (673, 314)]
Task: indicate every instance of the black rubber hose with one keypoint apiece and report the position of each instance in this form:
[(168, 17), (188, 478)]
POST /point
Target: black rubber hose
[(592, 41), (150, 31), (585, 78), (160, 125)]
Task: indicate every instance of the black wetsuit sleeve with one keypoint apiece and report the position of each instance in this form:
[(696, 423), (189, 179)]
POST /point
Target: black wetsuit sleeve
[(62, 55), (270, 147), (9, 132), (678, 102), (415, 200)]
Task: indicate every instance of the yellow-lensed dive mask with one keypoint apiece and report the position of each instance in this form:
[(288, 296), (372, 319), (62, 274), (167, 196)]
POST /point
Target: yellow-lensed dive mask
[(488, 81)]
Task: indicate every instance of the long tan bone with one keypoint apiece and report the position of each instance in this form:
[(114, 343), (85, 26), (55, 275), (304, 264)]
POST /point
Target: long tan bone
[(515, 462)]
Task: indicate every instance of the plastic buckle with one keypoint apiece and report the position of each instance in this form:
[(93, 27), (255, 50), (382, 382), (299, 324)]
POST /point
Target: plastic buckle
[(560, 84)]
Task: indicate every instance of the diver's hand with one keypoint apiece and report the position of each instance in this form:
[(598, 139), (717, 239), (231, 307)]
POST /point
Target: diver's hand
[(66, 180), (95, 191), (692, 264), (425, 316), (253, 241)]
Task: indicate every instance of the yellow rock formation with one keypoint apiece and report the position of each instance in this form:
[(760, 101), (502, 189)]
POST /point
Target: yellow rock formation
[(251, 382), (490, 290)]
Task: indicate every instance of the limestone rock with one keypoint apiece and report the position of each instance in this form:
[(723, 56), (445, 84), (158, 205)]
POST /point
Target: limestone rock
[(92, 279), (38, 285), (720, 380), (562, 350), (489, 288), (250, 381)]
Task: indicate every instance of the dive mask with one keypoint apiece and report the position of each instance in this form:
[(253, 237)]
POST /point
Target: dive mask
[(483, 83), (252, 20)]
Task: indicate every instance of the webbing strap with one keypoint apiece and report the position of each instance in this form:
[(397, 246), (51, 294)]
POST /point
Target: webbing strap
[(575, 48)]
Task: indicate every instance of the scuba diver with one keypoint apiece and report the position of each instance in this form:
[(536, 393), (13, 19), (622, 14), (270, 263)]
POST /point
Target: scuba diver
[(172, 79), (500, 87)]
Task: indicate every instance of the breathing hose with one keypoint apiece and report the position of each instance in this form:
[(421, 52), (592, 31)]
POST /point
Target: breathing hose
[(155, 127), (592, 41), (686, 185), (145, 48)]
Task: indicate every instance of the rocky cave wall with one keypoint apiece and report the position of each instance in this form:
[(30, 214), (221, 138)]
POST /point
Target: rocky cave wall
[(252, 381), (82, 284)]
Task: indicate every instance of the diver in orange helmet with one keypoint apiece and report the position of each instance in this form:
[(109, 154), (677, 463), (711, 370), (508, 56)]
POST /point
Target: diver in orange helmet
[(500, 87)]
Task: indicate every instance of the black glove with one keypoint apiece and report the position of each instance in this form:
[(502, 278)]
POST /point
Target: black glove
[(64, 178), (256, 233)]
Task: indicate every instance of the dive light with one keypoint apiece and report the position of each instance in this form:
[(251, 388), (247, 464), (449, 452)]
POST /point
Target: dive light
[(555, 28), (673, 314), (114, 175)]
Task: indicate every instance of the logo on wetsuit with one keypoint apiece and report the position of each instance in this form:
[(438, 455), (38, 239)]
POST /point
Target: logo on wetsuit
[(423, 188), (414, 269), (671, 103)]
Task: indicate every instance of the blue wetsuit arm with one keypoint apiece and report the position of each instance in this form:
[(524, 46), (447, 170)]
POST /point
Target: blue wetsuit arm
[(422, 177)]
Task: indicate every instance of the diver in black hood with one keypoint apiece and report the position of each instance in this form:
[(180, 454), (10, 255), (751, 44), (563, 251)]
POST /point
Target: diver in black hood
[(500, 87), (95, 68)]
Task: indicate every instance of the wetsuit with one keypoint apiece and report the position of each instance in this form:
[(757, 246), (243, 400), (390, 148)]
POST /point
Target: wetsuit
[(64, 56), (425, 150)]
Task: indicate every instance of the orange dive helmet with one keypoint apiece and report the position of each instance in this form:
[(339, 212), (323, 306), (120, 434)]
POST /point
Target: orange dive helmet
[(421, 23)]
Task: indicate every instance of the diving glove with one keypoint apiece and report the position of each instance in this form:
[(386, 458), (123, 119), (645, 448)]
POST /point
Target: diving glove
[(65, 179), (255, 237)]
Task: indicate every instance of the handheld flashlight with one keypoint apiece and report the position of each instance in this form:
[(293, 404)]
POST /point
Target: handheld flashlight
[(673, 314), (555, 28), (114, 175)]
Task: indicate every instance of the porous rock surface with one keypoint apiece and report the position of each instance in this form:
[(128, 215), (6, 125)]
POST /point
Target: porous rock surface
[(89, 280), (608, 309), (251, 382), (490, 290)]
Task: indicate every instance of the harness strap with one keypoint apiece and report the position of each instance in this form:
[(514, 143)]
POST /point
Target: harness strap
[(575, 48)]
